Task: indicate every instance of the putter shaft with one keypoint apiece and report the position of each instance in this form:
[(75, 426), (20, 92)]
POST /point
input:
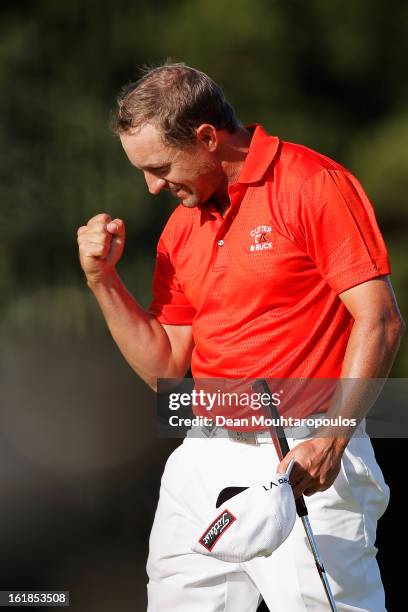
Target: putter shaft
[(301, 508), (318, 561)]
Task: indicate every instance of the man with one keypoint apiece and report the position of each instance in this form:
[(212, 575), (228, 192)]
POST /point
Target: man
[(272, 266)]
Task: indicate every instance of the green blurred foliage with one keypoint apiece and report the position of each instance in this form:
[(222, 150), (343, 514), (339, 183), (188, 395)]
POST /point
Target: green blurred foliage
[(327, 74)]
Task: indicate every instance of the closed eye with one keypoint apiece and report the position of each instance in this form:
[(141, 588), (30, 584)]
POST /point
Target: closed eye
[(158, 169)]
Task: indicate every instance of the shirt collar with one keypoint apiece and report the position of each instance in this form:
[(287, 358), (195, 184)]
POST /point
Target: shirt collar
[(261, 153)]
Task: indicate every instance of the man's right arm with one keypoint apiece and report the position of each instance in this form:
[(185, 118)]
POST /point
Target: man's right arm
[(153, 350)]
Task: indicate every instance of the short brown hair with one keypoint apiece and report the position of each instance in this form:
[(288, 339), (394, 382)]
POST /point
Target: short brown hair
[(176, 99)]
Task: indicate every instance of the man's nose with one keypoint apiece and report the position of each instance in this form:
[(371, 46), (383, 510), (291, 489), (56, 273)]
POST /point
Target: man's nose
[(154, 184)]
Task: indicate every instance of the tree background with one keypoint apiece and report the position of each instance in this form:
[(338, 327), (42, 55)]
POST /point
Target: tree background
[(81, 460)]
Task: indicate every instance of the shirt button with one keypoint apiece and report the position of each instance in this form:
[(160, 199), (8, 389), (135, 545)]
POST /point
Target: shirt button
[(220, 243)]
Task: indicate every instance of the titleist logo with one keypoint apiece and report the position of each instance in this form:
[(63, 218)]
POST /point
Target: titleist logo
[(216, 529)]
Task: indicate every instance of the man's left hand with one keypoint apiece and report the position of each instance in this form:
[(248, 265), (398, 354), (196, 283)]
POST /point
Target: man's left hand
[(317, 464)]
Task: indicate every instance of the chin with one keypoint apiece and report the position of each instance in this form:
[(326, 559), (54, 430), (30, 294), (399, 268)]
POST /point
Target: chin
[(190, 202)]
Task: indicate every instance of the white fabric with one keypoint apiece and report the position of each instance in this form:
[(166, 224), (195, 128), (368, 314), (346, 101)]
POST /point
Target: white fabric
[(253, 523), (343, 518)]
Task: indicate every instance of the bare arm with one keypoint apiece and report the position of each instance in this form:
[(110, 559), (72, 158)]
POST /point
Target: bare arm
[(377, 330), (371, 349), (153, 350), (372, 346), (370, 353)]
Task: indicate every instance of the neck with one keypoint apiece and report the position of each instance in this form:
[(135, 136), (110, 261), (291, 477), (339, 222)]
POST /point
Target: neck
[(233, 151)]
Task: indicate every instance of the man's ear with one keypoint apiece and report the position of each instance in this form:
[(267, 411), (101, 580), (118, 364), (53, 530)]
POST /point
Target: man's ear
[(208, 136)]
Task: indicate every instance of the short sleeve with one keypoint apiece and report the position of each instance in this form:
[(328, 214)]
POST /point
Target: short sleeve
[(339, 230), (169, 304)]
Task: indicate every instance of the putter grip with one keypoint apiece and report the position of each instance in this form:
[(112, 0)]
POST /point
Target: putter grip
[(301, 509)]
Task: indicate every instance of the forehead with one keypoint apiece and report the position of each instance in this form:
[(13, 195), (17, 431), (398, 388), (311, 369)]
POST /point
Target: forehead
[(145, 147)]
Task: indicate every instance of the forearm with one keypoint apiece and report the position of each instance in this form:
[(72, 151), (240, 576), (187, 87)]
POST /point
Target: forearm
[(371, 349), (140, 337), (369, 356), (370, 353)]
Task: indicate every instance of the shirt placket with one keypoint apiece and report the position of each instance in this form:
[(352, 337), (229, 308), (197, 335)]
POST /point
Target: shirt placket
[(220, 258), (220, 253)]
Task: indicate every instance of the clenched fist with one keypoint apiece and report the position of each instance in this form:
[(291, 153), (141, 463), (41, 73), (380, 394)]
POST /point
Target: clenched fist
[(101, 243)]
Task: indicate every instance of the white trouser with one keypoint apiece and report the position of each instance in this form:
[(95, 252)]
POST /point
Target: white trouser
[(343, 519)]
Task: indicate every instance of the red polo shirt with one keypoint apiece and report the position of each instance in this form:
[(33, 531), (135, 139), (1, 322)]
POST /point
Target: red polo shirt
[(260, 285)]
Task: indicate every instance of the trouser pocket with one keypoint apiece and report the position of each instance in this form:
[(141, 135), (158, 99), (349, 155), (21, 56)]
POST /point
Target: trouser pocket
[(364, 478)]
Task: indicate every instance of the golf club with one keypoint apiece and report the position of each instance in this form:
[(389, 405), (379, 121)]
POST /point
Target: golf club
[(282, 448)]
